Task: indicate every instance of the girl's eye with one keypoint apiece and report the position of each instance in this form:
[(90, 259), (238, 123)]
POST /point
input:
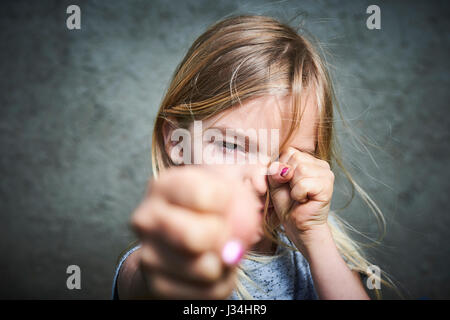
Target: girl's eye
[(230, 146)]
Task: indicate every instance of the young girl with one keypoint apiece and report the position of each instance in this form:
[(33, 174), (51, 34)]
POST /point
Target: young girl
[(213, 229)]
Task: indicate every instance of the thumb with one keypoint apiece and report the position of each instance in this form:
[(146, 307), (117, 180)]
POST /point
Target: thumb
[(279, 174)]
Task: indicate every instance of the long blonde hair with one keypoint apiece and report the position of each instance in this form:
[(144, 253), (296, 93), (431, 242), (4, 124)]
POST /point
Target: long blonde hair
[(241, 57)]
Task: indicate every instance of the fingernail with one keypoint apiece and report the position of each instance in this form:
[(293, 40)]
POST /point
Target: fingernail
[(232, 252), (284, 172)]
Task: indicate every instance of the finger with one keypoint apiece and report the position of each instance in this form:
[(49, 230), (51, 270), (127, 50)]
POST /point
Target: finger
[(160, 256), (306, 170), (166, 287), (183, 228), (303, 157), (309, 188), (211, 195), (142, 219), (290, 152), (280, 174), (279, 188)]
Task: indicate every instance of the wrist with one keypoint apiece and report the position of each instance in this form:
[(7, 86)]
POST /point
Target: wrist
[(315, 239)]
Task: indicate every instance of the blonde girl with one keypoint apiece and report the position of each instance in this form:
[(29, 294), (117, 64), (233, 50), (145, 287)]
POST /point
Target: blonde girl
[(243, 229)]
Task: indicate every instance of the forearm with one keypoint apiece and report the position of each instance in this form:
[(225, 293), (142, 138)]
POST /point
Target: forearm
[(131, 283), (333, 279)]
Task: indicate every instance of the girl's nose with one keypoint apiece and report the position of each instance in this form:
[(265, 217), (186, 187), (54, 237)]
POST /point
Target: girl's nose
[(257, 179)]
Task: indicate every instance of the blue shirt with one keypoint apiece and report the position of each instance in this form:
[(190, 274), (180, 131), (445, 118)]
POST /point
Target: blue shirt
[(286, 277)]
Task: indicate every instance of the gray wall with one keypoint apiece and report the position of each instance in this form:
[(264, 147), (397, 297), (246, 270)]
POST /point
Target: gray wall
[(77, 109)]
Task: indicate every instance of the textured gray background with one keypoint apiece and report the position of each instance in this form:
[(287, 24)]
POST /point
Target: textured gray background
[(77, 109)]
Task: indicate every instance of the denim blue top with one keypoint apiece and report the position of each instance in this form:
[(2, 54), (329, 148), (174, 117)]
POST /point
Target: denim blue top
[(286, 277)]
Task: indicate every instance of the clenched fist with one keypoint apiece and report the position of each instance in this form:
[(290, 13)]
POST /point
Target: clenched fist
[(301, 192), (193, 225)]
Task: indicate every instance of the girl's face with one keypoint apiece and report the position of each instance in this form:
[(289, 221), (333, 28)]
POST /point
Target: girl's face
[(263, 115)]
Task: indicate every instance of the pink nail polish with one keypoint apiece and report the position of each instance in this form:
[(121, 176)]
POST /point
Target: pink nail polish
[(284, 172), (232, 252)]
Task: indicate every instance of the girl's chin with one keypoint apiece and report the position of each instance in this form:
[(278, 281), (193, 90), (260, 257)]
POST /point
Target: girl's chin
[(258, 237), (262, 245)]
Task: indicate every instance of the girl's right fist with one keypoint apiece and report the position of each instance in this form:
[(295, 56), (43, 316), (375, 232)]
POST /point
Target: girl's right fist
[(194, 225)]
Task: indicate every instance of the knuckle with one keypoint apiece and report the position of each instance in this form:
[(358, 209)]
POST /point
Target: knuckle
[(297, 192), (223, 289), (291, 152), (194, 237), (332, 175), (211, 195), (221, 292), (151, 185), (136, 221), (301, 169), (159, 285), (203, 233), (203, 197), (301, 185), (139, 221), (297, 156), (324, 163), (145, 218), (149, 258), (207, 268)]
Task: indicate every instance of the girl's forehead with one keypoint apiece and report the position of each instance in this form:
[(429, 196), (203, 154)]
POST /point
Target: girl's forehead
[(266, 112)]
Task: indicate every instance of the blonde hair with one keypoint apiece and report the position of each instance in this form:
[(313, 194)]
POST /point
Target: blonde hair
[(244, 56)]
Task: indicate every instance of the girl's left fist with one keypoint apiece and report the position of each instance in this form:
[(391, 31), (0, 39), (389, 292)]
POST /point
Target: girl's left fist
[(301, 190)]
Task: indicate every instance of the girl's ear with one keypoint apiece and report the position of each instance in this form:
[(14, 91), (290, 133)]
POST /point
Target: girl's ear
[(171, 147)]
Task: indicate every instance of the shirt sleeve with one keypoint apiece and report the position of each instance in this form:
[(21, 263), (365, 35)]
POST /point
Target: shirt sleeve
[(114, 293)]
